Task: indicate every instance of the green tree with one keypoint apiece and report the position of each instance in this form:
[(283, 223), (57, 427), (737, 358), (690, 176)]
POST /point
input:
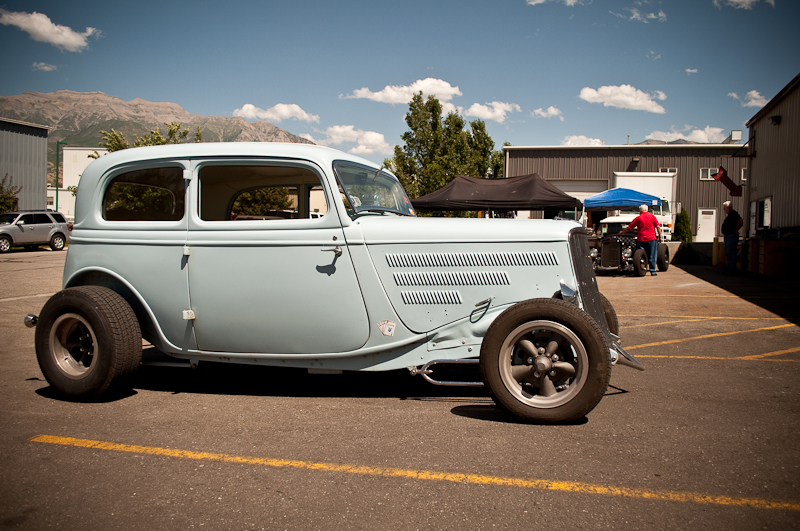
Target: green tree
[(683, 228), (436, 150), (262, 202), (8, 194), (116, 141)]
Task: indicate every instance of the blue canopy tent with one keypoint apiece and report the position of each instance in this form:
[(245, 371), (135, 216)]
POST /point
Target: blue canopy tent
[(619, 199)]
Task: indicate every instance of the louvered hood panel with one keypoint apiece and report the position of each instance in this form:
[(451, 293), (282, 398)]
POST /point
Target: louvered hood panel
[(455, 264)]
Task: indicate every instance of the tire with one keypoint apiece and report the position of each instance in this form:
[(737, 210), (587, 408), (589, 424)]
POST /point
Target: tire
[(5, 244), (87, 337), (611, 315), (662, 260), (640, 264), (57, 242), (517, 357)]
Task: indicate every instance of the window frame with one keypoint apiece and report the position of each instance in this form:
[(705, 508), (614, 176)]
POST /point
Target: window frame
[(710, 175)]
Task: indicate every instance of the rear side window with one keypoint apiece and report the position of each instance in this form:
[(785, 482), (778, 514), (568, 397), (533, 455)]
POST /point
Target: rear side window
[(58, 217), (156, 194)]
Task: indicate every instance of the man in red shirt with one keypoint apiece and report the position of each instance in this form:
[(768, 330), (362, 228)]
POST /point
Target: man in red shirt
[(647, 236)]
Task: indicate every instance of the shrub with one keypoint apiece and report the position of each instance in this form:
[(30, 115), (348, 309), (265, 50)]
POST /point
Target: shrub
[(683, 228)]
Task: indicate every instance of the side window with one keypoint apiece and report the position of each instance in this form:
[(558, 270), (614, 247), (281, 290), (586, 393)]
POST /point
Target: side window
[(58, 217), (241, 193), (42, 219), (146, 195), (26, 219)]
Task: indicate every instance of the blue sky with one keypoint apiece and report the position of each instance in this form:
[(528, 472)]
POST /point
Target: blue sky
[(538, 72)]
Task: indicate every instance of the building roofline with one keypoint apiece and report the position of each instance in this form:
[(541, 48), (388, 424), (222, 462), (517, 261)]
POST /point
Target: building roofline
[(629, 146), (774, 101), (20, 122)]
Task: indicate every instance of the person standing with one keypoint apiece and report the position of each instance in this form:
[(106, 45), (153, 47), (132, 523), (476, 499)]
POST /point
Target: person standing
[(730, 231), (647, 236)]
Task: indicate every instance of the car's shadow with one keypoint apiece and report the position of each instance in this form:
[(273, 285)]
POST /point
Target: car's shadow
[(211, 378)]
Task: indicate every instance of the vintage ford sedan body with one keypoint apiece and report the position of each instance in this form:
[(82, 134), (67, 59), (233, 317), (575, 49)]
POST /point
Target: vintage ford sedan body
[(304, 256)]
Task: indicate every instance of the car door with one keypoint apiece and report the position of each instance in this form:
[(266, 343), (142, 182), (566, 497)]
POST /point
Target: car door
[(25, 232), (265, 275)]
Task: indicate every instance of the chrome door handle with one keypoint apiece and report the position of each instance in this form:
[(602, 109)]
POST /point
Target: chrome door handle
[(336, 250)]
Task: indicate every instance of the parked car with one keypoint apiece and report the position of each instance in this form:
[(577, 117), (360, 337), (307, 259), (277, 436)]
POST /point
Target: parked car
[(157, 253), (612, 251), (32, 228)]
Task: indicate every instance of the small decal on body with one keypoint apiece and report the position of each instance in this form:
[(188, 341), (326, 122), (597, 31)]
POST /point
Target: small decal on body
[(387, 327)]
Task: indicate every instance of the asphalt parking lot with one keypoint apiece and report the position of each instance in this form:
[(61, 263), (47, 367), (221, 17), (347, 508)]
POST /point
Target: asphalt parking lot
[(705, 437)]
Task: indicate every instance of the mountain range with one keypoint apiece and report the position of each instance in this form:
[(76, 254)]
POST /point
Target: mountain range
[(78, 118)]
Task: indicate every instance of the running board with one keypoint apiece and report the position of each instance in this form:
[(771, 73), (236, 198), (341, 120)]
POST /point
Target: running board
[(426, 372)]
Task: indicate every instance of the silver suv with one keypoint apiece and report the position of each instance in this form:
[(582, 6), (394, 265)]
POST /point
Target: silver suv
[(32, 228)]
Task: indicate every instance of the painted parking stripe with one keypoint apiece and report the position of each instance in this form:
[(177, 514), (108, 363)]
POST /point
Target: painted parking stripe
[(429, 475), (26, 297), (707, 336)]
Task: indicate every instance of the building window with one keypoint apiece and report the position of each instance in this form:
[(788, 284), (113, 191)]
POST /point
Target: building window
[(50, 201), (707, 174), (668, 170), (744, 175)]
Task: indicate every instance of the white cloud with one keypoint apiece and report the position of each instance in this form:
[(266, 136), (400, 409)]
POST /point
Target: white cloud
[(550, 112), (751, 99), (565, 2), (581, 140), (495, 111), (441, 90), (690, 71), (638, 16), (740, 4), (368, 142), (754, 99), (624, 97), (278, 113), (448, 107), (44, 67), (709, 135), (41, 29)]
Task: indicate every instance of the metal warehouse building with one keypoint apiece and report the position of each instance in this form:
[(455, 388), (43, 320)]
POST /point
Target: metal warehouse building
[(23, 156), (588, 170), (774, 191)]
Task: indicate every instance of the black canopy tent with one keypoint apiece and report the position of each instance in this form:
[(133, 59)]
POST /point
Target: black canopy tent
[(527, 192)]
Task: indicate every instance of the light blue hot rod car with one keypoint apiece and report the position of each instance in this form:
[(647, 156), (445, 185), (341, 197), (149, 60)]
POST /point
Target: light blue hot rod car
[(304, 256)]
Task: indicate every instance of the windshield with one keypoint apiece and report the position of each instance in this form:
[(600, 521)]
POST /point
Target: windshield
[(367, 190), (7, 219)]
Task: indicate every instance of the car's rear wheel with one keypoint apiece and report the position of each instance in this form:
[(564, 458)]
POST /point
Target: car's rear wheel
[(5, 244), (545, 360), (86, 338), (663, 257), (640, 265), (57, 242)]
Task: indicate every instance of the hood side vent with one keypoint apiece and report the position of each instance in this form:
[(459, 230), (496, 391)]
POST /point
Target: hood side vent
[(524, 259), (452, 278), (431, 297)]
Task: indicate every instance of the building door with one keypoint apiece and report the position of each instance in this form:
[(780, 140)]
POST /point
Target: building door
[(706, 225)]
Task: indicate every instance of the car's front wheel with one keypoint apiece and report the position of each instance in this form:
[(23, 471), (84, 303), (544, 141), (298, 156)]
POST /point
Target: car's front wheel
[(5, 244), (640, 264), (545, 360), (86, 338), (662, 260)]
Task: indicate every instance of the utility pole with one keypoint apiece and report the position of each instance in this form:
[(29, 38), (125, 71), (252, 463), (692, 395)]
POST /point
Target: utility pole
[(58, 165)]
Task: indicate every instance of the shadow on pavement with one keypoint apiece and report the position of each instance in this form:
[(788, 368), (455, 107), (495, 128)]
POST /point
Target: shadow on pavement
[(777, 296)]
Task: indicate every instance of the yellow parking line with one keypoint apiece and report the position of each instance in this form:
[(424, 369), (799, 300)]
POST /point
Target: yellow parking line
[(701, 317), (428, 475), (770, 354), (707, 336), (665, 322), (717, 358)]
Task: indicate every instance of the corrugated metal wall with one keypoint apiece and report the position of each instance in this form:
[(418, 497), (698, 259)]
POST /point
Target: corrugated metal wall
[(775, 166), (23, 156), (600, 164)]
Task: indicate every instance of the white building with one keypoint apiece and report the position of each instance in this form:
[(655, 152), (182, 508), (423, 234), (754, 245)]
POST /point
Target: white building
[(73, 161)]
